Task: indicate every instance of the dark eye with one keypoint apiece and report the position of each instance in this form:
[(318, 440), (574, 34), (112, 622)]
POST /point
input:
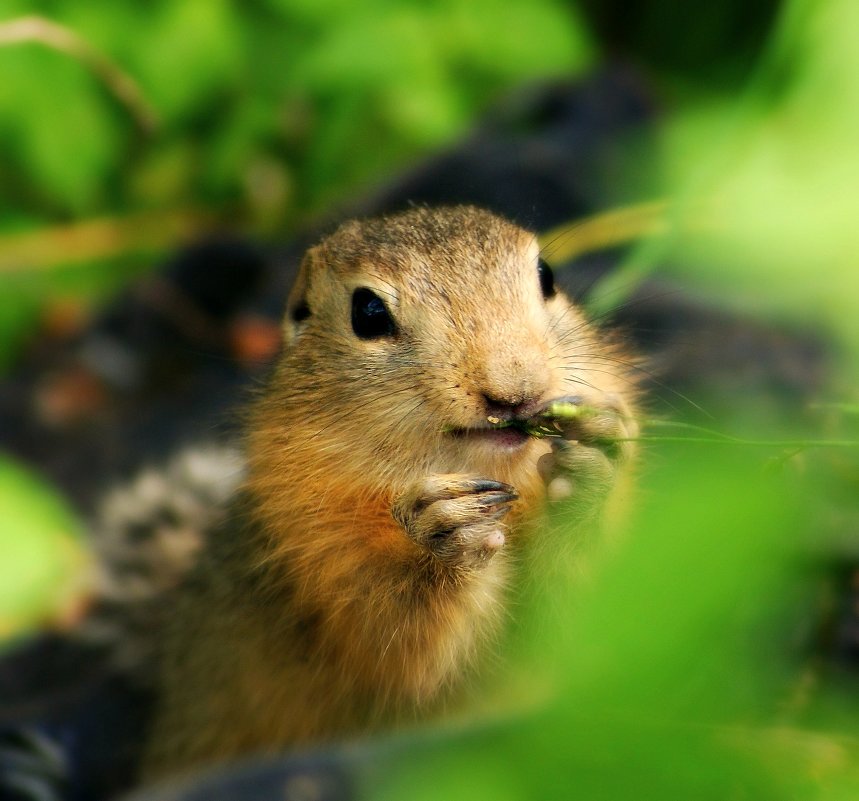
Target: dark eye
[(300, 313), (547, 279), (370, 317)]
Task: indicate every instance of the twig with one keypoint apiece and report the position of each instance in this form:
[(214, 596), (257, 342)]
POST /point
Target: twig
[(800, 444), (100, 239), (711, 437), (604, 230), (118, 82)]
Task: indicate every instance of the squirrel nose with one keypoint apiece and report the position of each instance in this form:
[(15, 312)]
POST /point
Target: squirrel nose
[(513, 379), (508, 408)]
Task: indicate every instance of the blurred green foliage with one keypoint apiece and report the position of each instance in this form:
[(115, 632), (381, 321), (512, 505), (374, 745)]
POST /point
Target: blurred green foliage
[(762, 181), (44, 569), (673, 656), (278, 102), (265, 112), (781, 165), (678, 657)]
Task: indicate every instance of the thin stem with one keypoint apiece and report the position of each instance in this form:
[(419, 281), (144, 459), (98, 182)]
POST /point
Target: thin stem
[(64, 40), (801, 444)]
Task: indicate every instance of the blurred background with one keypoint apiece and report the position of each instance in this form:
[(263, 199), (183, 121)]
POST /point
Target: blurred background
[(163, 164)]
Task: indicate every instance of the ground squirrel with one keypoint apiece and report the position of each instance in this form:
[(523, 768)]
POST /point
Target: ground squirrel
[(392, 479)]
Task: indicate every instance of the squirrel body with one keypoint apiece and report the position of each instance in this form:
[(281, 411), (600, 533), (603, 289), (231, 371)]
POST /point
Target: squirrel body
[(372, 552)]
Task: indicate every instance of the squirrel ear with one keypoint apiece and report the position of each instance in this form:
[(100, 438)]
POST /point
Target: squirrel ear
[(297, 307)]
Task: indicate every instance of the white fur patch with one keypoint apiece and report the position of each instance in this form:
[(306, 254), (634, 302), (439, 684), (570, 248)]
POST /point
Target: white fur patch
[(147, 535)]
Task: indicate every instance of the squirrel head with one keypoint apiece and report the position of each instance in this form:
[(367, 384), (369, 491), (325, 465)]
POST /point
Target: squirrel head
[(407, 337)]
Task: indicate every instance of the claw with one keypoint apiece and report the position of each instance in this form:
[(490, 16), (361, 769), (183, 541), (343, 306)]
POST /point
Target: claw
[(456, 517), (488, 485), (496, 498)]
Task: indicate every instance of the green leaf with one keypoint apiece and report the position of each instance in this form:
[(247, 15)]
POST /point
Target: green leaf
[(45, 569), (188, 56), (56, 126)]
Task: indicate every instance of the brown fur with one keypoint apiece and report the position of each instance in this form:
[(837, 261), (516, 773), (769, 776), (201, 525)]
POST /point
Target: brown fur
[(313, 616)]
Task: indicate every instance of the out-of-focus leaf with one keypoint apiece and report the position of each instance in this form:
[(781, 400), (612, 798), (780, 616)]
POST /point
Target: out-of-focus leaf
[(782, 166), (487, 38), (45, 570), (188, 56), (57, 131), (670, 653), (394, 80)]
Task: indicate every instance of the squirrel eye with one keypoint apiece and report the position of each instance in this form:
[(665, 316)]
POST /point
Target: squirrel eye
[(370, 316), (547, 279), (300, 313)]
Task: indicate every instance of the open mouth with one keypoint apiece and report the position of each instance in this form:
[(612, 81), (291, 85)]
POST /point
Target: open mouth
[(503, 435)]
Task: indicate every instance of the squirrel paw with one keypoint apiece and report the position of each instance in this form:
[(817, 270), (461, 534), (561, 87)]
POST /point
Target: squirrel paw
[(585, 460), (455, 517)]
